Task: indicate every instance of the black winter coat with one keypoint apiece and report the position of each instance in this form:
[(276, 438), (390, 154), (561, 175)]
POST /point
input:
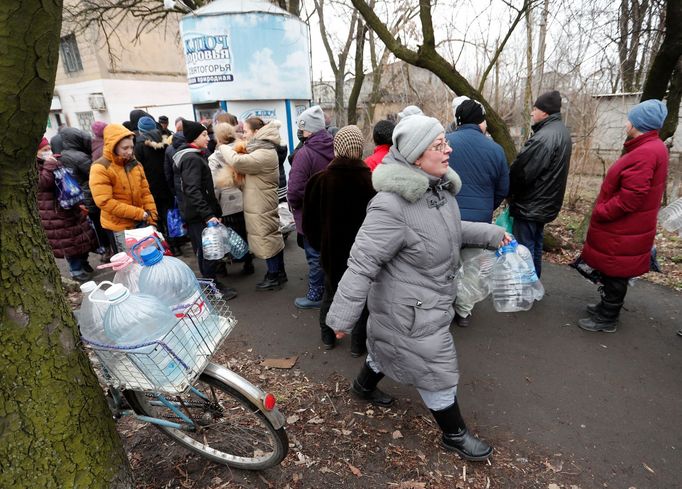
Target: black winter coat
[(538, 175), (193, 180), (334, 207), (77, 155), (282, 157), (151, 152), (178, 141)]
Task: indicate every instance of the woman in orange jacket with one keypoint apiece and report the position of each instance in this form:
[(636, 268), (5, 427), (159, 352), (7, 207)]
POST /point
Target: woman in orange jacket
[(119, 186)]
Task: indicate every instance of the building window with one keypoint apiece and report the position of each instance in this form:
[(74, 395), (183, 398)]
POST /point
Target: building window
[(85, 120), (71, 58)]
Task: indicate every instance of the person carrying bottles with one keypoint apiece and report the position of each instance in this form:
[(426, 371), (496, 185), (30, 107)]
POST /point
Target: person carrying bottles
[(120, 188), (482, 166), (402, 265), (198, 205), (623, 222)]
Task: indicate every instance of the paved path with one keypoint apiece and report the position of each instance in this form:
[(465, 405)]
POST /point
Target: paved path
[(612, 402)]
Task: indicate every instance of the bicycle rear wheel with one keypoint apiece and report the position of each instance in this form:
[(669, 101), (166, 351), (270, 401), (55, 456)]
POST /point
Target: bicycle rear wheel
[(229, 428)]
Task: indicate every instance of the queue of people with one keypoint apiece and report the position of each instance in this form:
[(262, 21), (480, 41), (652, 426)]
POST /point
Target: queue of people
[(383, 237)]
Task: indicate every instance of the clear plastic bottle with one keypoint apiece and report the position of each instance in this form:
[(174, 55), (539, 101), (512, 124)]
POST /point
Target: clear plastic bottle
[(173, 283), (474, 277), (213, 241), (90, 316), (531, 275), (135, 319), (510, 291), (235, 244), (670, 217)]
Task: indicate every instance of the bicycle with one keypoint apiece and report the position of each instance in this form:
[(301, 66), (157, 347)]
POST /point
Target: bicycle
[(205, 407)]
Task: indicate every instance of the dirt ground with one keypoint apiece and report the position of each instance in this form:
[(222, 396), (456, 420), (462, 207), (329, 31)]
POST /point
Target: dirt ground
[(338, 441)]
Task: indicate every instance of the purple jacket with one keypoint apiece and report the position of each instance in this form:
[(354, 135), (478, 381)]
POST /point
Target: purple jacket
[(313, 157)]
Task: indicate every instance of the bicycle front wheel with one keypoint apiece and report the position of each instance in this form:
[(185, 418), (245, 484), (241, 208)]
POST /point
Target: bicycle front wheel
[(228, 427)]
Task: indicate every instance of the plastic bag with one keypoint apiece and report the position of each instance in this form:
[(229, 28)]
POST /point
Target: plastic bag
[(68, 191), (505, 220), (176, 224), (286, 219)]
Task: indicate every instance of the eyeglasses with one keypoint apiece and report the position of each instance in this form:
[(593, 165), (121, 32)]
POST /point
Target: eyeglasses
[(442, 147)]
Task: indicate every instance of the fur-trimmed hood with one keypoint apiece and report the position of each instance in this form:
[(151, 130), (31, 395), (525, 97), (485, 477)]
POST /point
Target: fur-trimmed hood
[(397, 176)]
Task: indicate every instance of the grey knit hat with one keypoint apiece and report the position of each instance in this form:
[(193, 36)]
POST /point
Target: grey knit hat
[(311, 120), (408, 111), (349, 143), (414, 134)]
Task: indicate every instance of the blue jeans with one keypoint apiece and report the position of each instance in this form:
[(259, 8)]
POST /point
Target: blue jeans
[(275, 264), (315, 272), (76, 264), (530, 235)]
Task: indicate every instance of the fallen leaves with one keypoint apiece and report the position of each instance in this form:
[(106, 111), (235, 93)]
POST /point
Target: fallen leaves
[(356, 472)]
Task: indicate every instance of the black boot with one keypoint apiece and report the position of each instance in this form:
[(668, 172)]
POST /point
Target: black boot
[(248, 268), (365, 387), (604, 318), (328, 337), (456, 436), (272, 281)]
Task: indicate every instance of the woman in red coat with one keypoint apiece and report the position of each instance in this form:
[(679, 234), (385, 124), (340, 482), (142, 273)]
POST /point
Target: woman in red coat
[(68, 231), (623, 223)]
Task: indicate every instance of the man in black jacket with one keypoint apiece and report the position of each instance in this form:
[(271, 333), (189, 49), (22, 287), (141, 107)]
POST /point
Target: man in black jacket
[(199, 205), (538, 175)]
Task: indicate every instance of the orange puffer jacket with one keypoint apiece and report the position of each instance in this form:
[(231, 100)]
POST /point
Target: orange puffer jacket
[(119, 187)]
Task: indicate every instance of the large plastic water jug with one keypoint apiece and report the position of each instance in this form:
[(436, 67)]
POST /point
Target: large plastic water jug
[(531, 276), (235, 244), (90, 316), (511, 290), (474, 281), (133, 320), (213, 241), (174, 284), (670, 217), (127, 271)]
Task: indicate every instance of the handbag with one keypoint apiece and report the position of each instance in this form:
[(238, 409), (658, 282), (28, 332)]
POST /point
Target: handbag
[(176, 225), (69, 193), (505, 220)]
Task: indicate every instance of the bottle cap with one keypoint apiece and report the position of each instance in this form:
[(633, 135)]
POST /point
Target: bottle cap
[(88, 287), (212, 224), (509, 248), (151, 255), (117, 293)]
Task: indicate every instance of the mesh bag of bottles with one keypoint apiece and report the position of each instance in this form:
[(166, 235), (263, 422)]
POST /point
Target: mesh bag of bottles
[(169, 364)]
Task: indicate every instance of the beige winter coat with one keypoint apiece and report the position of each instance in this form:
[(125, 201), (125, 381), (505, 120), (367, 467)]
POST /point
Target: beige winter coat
[(261, 167)]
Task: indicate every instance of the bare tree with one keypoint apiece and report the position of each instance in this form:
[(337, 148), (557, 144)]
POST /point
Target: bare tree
[(426, 56), (337, 62)]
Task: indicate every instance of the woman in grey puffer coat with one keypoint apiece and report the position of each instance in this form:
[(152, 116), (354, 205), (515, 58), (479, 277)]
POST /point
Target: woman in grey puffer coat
[(403, 264)]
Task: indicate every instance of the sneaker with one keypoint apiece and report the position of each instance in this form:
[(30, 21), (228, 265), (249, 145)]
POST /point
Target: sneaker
[(81, 277), (305, 303)]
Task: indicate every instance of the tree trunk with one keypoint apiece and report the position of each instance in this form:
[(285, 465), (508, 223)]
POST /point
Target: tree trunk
[(540, 57), (55, 427), (664, 63), (528, 91), (359, 73), (428, 58)]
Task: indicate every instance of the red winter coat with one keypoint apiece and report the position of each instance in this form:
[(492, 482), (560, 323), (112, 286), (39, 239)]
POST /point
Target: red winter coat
[(623, 223), (68, 231), (374, 160)]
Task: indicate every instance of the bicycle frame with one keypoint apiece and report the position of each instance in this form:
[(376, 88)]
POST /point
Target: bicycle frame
[(238, 383)]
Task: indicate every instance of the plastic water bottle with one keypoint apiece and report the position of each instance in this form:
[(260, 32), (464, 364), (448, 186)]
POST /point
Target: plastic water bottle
[(90, 316), (135, 319), (531, 276), (235, 244), (173, 283), (670, 217), (213, 241), (474, 277), (511, 291)]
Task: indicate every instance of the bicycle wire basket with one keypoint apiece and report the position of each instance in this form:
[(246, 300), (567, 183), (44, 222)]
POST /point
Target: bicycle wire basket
[(172, 363)]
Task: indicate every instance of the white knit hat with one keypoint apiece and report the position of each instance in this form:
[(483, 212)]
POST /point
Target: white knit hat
[(456, 103), (408, 111), (414, 134)]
